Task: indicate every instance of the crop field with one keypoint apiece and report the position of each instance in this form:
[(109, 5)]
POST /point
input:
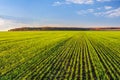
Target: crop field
[(60, 55)]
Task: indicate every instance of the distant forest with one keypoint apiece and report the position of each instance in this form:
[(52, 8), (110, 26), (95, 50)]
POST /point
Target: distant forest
[(61, 29)]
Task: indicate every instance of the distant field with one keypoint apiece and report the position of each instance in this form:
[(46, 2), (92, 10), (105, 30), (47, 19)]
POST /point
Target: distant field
[(60, 55)]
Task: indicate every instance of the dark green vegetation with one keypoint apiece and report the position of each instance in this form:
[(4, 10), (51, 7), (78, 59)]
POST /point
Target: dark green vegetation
[(61, 55), (63, 29)]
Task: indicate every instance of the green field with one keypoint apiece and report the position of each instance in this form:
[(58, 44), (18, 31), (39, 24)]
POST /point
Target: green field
[(60, 55)]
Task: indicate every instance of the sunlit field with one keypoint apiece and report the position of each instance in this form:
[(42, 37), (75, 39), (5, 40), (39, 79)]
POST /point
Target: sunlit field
[(60, 55)]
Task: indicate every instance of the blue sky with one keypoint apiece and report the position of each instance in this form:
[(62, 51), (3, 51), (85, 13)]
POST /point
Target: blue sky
[(68, 13)]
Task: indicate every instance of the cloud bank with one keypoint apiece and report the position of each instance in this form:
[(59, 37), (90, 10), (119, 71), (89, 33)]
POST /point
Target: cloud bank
[(110, 13), (7, 23), (58, 3)]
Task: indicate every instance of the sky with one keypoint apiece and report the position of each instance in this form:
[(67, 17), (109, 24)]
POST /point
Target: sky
[(59, 13)]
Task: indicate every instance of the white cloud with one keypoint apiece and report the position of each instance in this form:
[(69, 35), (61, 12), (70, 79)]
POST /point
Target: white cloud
[(113, 13), (110, 13), (57, 3), (103, 0), (84, 12), (90, 10), (2, 22), (99, 8), (80, 1), (108, 7), (6, 24)]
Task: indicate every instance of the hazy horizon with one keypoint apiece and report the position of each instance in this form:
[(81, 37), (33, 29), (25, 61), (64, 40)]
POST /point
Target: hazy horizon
[(56, 13)]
